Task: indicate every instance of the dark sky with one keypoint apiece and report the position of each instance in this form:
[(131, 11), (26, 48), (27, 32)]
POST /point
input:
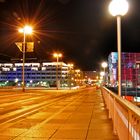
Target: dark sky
[(83, 30)]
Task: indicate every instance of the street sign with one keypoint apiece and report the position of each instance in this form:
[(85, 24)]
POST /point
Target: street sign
[(28, 48)]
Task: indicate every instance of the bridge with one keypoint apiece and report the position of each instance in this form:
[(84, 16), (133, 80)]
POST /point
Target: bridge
[(80, 114), (124, 114)]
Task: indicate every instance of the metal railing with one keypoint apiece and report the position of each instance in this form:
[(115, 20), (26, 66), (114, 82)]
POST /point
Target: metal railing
[(125, 116)]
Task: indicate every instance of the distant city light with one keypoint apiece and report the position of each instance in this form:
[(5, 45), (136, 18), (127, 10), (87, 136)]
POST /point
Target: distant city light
[(102, 73), (16, 80)]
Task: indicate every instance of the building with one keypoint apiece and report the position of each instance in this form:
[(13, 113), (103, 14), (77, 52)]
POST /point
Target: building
[(130, 69), (35, 73)]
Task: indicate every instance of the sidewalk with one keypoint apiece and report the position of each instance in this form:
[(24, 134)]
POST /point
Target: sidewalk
[(89, 122)]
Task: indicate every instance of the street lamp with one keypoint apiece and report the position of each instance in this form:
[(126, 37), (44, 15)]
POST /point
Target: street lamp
[(70, 66), (25, 30), (57, 56), (102, 73), (118, 8), (77, 76), (104, 65)]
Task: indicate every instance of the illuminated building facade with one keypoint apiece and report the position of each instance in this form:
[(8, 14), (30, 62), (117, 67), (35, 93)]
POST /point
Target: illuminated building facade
[(34, 72), (130, 69)]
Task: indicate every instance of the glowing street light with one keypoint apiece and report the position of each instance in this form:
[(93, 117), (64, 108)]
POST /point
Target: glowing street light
[(102, 73), (104, 65), (70, 66), (118, 8), (77, 75), (77, 71), (57, 56), (25, 30)]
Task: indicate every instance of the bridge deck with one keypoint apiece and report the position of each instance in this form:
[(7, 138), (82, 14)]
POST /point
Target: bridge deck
[(83, 117)]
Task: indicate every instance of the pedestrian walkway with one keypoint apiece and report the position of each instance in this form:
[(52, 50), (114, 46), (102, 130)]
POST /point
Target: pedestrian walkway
[(79, 117), (88, 122)]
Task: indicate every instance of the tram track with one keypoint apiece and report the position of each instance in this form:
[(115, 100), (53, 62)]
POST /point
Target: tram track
[(18, 115)]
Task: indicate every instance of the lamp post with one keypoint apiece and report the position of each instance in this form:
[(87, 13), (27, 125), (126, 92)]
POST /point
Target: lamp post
[(70, 67), (57, 56), (102, 73), (25, 30), (104, 65), (118, 8), (77, 76)]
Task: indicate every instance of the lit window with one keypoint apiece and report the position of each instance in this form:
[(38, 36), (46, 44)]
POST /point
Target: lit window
[(14, 69)]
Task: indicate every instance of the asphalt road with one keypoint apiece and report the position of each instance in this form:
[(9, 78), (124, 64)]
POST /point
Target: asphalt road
[(15, 105)]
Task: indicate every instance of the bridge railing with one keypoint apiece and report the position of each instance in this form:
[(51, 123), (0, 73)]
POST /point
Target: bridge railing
[(124, 114)]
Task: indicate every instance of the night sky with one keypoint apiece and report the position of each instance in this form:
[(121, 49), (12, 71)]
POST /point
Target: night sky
[(83, 30)]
